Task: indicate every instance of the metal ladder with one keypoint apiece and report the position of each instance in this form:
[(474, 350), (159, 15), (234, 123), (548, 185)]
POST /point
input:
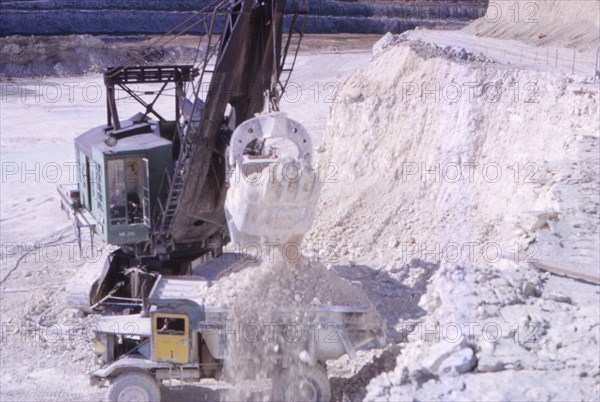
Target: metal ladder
[(292, 46), (180, 378), (168, 209)]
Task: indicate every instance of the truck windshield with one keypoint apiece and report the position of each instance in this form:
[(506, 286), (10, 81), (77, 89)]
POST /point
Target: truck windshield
[(170, 326)]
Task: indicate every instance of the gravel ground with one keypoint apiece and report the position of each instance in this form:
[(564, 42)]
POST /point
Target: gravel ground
[(376, 215)]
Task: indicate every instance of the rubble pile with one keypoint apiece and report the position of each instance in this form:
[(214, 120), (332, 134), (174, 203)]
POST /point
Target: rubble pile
[(413, 137)]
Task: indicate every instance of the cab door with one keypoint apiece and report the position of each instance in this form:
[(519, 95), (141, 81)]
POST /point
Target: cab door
[(170, 338)]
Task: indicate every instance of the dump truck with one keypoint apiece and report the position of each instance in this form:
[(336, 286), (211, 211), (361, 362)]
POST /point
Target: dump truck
[(178, 337)]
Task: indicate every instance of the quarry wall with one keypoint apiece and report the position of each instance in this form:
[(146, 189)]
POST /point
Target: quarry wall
[(104, 17)]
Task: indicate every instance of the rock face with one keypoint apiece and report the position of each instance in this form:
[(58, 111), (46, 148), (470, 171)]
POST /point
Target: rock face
[(61, 17), (394, 135), (438, 147), (402, 135)]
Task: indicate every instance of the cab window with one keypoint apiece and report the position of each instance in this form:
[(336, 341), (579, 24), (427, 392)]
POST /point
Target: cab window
[(170, 326), (125, 186)]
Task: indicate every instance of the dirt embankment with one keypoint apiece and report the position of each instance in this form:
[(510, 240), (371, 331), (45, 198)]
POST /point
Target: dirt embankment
[(420, 136), (574, 24), (445, 163), (75, 55)]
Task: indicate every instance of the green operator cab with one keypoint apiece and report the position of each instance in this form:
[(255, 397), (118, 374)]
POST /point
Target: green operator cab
[(119, 184)]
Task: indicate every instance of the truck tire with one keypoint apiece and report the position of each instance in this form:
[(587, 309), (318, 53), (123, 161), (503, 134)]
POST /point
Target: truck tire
[(310, 385), (129, 387)]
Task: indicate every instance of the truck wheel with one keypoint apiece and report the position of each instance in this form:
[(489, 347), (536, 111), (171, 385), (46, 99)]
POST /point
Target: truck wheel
[(311, 385), (130, 387)]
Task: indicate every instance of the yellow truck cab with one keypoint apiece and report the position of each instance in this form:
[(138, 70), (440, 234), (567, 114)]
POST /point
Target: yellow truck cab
[(171, 338)]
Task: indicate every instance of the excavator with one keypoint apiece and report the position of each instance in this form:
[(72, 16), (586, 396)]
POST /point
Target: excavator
[(171, 186), (157, 187)]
